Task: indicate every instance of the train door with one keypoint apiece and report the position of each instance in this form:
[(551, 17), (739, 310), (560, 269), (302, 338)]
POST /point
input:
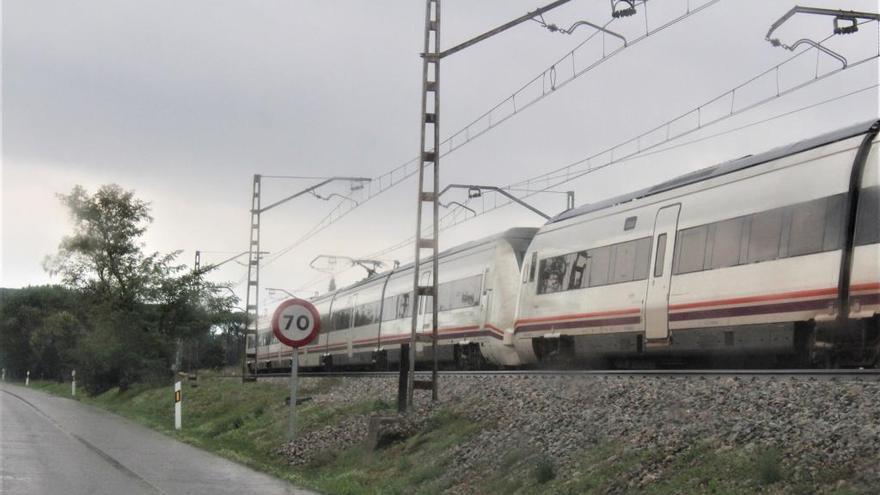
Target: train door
[(657, 298)]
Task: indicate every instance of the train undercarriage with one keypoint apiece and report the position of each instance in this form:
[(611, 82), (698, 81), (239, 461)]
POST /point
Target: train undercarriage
[(801, 345)]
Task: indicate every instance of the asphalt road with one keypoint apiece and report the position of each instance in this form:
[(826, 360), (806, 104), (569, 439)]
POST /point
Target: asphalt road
[(52, 445)]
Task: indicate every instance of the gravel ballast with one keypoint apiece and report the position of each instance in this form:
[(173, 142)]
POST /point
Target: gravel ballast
[(819, 426)]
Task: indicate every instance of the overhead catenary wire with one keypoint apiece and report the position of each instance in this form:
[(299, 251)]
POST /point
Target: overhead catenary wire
[(407, 242), (645, 152), (473, 129)]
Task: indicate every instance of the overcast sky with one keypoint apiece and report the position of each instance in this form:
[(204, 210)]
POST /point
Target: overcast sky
[(184, 101)]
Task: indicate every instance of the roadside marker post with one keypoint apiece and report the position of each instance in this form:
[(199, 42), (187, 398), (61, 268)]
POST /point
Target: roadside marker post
[(73, 383), (178, 397), (295, 323), (4, 374), (27, 379)]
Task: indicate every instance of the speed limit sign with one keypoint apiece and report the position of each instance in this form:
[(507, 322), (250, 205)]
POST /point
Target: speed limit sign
[(296, 322)]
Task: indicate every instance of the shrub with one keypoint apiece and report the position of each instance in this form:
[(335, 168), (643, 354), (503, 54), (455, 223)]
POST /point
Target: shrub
[(768, 464), (544, 470)]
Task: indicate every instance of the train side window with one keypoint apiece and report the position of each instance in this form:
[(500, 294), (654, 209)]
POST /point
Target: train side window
[(643, 258), (444, 296), (765, 234), (726, 243), (404, 308), (624, 262), (660, 259), (834, 222), (361, 315), (341, 319), (466, 292), (533, 266), (388, 310), (600, 262), (366, 314), (690, 250), (867, 223), (807, 228)]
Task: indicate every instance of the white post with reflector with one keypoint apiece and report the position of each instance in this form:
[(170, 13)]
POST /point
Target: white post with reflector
[(73, 383), (27, 379), (177, 405)]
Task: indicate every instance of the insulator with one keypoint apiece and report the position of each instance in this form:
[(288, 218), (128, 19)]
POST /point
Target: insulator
[(851, 28), (627, 12)]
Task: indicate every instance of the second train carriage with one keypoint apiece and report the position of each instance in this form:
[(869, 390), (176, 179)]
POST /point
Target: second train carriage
[(775, 253), (363, 325)]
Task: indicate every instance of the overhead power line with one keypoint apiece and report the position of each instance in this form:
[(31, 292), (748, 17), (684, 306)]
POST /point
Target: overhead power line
[(580, 168), (569, 67)]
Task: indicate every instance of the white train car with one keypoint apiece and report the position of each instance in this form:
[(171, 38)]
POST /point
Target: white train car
[(774, 253), (363, 325)]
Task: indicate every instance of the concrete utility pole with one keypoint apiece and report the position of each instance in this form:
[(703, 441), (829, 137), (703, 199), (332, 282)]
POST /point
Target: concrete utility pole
[(429, 156), (252, 299)]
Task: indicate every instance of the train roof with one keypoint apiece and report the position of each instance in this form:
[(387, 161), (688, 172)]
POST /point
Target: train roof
[(721, 169), (514, 233)]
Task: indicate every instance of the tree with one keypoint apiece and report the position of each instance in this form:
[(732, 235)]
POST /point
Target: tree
[(39, 328), (54, 343), (103, 256), (139, 306)]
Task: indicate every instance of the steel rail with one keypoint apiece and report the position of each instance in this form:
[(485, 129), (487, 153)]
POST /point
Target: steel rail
[(871, 373)]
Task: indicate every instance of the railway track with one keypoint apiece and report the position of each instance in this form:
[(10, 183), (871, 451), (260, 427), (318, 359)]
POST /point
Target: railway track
[(807, 373)]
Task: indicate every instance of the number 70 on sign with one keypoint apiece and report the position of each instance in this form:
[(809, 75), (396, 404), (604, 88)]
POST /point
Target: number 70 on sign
[(296, 322)]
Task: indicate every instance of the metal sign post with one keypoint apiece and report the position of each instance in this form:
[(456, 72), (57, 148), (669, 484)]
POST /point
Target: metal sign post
[(296, 322), (178, 398), (294, 392)]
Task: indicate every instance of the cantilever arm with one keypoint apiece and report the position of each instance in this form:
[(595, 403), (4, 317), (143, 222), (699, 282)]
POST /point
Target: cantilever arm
[(500, 191), (850, 14)]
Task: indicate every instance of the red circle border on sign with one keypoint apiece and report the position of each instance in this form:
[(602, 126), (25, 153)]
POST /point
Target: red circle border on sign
[(276, 324)]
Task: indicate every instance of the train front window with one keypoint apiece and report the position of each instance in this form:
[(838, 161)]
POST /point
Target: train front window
[(553, 272)]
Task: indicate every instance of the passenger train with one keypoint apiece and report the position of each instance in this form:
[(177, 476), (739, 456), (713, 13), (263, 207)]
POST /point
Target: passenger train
[(773, 256)]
